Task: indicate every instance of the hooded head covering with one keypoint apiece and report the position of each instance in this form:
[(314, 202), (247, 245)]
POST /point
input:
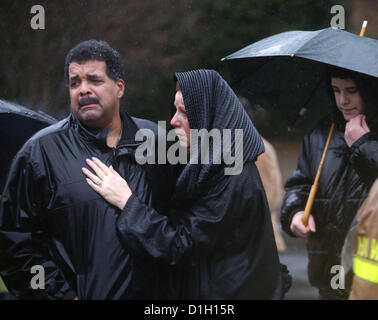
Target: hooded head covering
[(210, 103), (368, 89)]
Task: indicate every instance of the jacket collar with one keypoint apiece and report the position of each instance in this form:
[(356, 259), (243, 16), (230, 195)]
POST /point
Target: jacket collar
[(99, 136)]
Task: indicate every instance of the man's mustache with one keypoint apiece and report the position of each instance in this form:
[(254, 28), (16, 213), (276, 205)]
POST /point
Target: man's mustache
[(88, 100)]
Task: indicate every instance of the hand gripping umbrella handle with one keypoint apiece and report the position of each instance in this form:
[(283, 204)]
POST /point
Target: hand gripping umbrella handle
[(314, 188)]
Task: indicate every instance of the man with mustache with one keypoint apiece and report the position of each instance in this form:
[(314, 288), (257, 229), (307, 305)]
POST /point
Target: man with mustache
[(51, 220)]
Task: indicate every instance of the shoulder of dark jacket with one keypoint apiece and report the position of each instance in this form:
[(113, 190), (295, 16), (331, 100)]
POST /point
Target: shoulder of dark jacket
[(234, 181), (45, 133), (146, 124)]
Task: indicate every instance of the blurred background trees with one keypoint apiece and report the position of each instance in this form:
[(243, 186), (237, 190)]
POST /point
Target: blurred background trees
[(155, 39)]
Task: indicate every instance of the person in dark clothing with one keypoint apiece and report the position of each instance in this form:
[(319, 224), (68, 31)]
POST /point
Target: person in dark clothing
[(216, 241), (350, 169), (51, 218)]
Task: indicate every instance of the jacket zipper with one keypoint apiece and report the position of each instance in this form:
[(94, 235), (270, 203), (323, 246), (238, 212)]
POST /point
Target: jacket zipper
[(114, 153), (114, 159)]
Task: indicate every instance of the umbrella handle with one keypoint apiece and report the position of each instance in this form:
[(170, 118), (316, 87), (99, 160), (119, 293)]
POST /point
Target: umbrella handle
[(309, 203), (363, 29), (314, 188)]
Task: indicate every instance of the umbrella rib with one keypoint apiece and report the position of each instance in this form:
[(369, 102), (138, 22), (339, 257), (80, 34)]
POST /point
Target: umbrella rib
[(309, 98), (306, 43)]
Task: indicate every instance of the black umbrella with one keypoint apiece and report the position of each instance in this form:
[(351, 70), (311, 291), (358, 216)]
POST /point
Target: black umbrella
[(286, 72), (17, 125)]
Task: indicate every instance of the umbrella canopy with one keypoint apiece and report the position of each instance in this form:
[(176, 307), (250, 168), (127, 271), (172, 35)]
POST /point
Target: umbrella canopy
[(17, 125), (285, 71)]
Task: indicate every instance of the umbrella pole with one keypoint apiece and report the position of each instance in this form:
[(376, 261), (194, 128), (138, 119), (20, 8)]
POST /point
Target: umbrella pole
[(314, 187), (363, 29)]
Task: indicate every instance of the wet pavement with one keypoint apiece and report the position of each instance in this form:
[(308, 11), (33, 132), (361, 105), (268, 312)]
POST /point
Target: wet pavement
[(295, 258)]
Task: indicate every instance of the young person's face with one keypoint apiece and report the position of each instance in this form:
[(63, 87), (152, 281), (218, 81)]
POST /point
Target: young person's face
[(180, 120), (348, 98)]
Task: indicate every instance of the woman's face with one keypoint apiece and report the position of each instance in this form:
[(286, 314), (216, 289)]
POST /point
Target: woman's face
[(348, 98), (180, 121)]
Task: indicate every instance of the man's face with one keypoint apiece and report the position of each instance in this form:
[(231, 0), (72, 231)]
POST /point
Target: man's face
[(94, 96), (348, 98), (180, 121)]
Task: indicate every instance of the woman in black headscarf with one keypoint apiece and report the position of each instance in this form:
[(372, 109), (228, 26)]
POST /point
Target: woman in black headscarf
[(217, 240)]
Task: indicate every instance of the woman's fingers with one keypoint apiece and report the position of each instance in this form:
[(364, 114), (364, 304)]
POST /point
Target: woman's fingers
[(96, 168), (102, 172), (94, 186), (113, 188), (101, 165), (115, 172), (91, 176)]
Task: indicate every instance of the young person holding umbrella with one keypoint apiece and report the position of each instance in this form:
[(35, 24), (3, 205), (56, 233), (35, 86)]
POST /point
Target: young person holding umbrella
[(349, 171), (216, 242)]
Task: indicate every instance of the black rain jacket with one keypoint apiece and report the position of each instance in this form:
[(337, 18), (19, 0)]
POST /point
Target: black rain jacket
[(347, 175), (51, 217), (217, 241)]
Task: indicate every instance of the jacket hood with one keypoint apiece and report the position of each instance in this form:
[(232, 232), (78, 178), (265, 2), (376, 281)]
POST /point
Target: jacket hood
[(210, 103)]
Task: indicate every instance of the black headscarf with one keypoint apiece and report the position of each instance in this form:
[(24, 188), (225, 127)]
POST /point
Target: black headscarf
[(210, 103)]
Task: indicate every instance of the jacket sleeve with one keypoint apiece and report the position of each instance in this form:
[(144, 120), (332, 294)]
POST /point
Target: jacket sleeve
[(23, 243), (364, 157), (297, 187), (183, 236)]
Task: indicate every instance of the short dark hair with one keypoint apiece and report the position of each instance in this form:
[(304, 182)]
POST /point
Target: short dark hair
[(340, 73), (367, 86), (96, 50)]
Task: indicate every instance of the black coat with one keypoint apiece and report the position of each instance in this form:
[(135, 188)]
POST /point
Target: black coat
[(217, 241), (51, 217), (346, 177), (219, 246)]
